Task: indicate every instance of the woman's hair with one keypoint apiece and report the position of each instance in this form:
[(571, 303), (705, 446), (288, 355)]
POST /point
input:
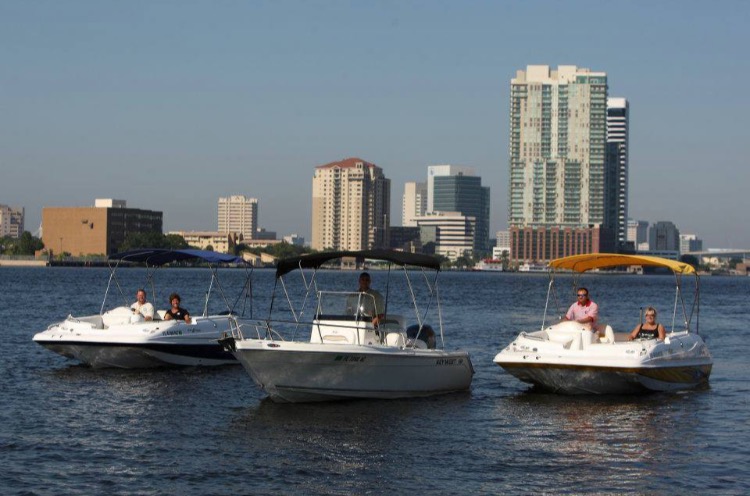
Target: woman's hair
[(651, 309), (173, 296)]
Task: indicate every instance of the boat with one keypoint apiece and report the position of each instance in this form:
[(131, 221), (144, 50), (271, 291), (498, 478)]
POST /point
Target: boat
[(532, 267), (571, 358), (117, 337), (489, 265), (338, 352)]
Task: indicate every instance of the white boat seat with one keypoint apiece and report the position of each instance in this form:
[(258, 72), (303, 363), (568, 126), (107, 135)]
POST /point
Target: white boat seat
[(394, 339), (609, 335), (335, 338)]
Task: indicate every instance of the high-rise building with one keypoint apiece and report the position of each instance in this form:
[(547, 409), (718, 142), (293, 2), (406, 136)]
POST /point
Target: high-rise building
[(350, 206), (616, 190), (664, 236), (414, 203), (452, 233), (690, 242), (97, 230), (466, 195), (11, 221), (558, 135), (637, 234), (238, 214), (434, 171)]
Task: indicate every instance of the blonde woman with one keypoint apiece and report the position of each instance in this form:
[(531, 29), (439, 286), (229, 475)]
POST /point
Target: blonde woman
[(650, 329)]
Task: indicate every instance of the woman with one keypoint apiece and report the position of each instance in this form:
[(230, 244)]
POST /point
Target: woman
[(651, 329), (176, 312)]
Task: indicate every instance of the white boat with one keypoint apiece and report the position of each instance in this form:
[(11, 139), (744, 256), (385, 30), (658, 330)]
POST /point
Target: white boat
[(532, 267), (340, 354), (120, 338), (571, 358), (490, 265)]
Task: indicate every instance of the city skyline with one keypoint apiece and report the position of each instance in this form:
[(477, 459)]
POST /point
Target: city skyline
[(171, 107)]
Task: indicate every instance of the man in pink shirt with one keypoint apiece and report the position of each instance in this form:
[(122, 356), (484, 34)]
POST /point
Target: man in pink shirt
[(583, 311)]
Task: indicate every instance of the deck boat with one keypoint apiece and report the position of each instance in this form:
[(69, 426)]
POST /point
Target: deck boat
[(117, 337), (572, 358), (339, 353)]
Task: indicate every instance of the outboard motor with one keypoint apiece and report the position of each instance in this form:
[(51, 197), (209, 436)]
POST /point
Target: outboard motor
[(427, 335)]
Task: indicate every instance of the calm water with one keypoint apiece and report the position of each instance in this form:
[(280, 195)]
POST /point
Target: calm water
[(66, 429)]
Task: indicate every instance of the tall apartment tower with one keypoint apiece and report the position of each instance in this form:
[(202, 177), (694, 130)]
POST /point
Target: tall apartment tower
[(414, 203), (616, 192), (238, 214), (350, 206), (558, 137)]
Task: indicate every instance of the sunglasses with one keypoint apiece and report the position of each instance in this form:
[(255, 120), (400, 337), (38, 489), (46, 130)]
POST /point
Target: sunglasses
[(583, 295)]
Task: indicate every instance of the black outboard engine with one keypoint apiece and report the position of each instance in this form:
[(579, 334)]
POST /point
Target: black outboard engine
[(427, 335)]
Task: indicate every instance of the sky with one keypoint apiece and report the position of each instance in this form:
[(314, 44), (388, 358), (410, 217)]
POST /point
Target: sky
[(172, 104)]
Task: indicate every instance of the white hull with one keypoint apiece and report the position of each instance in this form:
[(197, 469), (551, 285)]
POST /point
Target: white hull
[(572, 360), (107, 341), (300, 372)]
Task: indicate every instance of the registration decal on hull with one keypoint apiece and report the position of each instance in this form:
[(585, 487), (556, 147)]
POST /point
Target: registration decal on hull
[(449, 361), (349, 358)]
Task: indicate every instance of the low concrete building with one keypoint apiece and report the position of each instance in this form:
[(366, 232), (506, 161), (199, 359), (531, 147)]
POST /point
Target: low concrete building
[(217, 241), (97, 230)]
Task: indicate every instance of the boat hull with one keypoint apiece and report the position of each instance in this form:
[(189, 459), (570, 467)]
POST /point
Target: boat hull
[(305, 372), (680, 362), (141, 344), (573, 380)]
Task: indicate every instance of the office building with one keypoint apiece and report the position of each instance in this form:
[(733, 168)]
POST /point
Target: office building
[(97, 230), (558, 135), (238, 214), (664, 236), (451, 233), (616, 190), (690, 243), (11, 221), (637, 233), (414, 203), (453, 188), (294, 240), (350, 206)]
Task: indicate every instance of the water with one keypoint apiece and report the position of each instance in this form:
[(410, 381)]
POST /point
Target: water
[(66, 429)]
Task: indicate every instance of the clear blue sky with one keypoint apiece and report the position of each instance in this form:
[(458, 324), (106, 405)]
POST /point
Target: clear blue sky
[(172, 104)]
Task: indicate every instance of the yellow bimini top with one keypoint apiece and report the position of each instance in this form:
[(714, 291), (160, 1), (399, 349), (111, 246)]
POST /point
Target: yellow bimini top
[(582, 263)]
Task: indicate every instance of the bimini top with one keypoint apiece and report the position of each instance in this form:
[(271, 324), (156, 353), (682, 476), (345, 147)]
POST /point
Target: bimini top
[(161, 256), (582, 263), (315, 260)]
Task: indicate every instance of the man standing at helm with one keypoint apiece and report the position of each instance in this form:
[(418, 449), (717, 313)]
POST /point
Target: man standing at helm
[(371, 302)]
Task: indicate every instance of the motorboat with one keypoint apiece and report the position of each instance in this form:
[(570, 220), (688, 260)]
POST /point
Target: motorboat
[(532, 267), (339, 352), (119, 337), (489, 264), (572, 358)]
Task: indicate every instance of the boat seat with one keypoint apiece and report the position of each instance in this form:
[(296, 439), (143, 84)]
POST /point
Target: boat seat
[(609, 335), (395, 339), (335, 338)]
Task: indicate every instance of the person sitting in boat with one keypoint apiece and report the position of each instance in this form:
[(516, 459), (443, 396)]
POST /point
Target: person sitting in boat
[(583, 310), (650, 330), (142, 307), (370, 300), (176, 312)]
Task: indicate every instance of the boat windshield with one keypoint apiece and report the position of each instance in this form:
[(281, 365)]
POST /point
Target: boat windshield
[(344, 305)]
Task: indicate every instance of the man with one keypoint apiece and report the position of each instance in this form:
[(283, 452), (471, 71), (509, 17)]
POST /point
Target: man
[(369, 298), (142, 307), (583, 311)]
